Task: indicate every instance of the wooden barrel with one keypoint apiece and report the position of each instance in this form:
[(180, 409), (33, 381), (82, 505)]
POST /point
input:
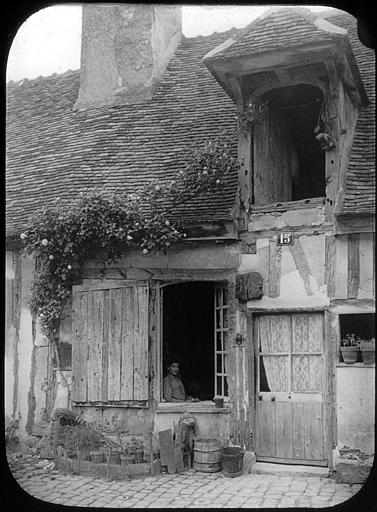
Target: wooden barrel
[(207, 455)]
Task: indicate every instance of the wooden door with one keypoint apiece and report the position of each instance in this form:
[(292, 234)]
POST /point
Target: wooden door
[(291, 389)]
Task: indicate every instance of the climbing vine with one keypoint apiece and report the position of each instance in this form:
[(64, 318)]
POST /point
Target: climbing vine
[(102, 226)]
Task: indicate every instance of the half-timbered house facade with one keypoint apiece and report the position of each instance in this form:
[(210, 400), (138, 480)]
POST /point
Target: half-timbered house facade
[(277, 268)]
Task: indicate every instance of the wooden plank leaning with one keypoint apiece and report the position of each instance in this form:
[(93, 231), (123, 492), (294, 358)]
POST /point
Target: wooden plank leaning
[(167, 450)]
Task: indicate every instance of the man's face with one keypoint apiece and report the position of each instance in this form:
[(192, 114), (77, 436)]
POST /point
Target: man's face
[(174, 368)]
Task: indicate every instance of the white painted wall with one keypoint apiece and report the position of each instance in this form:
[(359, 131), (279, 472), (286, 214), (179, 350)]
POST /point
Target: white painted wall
[(355, 407)]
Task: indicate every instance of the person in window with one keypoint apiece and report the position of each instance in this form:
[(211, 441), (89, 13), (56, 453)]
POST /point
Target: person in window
[(173, 388)]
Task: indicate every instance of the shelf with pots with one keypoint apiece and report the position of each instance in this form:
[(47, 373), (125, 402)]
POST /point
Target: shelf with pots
[(354, 349)]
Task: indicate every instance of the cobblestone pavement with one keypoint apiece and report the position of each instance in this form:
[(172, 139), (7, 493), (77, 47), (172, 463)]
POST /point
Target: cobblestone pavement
[(186, 490)]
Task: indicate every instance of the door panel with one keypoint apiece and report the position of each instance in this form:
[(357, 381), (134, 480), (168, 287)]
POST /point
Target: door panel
[(290, 388)]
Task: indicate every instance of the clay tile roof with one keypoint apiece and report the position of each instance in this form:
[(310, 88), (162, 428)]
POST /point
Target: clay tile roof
[(276, 29), (360, 187), (53, 151)]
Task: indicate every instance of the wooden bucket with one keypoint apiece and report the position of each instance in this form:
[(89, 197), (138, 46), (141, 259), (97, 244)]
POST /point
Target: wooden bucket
[(207, 455)]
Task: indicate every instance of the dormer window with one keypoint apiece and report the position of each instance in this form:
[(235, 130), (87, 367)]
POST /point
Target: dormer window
[(288, 162), (294, 80)]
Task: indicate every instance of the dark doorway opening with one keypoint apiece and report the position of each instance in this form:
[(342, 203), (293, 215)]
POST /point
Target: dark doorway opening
[(300, 107), (188, 335)]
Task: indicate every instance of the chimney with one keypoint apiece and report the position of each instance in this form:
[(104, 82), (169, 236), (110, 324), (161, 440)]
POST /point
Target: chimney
[(125, 48)]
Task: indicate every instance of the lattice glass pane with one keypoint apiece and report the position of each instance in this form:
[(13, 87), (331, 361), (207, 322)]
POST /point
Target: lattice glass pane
[(276, 372), (219, 390), (218, 341), (218, 297), (225, 318), (225, 386), (225, 340), (225, 296), (300, 373), (219, 363), (218, 319)]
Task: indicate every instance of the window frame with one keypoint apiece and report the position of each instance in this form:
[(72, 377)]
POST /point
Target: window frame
[(159, 374)]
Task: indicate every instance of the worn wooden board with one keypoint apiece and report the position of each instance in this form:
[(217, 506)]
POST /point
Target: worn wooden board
[(95, 344), (105, 346), (313, 431), (353, 277), (283, 430), (141, 343), (115, 344), (79, 347), (167, 450), (127, 373), (298, 431), (274, 271), (366, 266), (266, 429), (178, 459), (302, 264)]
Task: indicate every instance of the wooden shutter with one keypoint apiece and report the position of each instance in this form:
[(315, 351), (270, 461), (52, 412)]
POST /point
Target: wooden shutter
[(110, 346), (272, 158)]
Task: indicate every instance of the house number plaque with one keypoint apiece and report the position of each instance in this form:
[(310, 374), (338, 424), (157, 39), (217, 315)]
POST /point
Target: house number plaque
[(285, 239)]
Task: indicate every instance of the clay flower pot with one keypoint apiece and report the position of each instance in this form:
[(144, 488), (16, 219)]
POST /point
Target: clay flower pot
[(367, 349), (349, 354), (367, 356)]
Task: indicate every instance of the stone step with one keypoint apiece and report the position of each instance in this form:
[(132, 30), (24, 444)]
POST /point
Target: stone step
[(289, 469)]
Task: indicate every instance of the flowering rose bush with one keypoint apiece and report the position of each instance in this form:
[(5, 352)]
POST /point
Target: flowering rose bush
[(62, 237)]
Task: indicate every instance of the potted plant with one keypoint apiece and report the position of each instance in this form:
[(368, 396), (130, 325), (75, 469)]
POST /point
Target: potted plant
[(349, 348), (367, 348)]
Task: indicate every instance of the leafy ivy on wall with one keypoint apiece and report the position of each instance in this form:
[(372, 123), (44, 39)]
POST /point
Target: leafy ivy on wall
[(102, 226)]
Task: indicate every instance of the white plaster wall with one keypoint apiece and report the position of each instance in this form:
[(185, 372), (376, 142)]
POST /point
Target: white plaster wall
[(355, 407), (10, 334), (293, 293), (25, 345)]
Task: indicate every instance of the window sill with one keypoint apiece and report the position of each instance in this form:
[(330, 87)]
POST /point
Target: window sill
[(206, 407), (355, 365), (288, 205)]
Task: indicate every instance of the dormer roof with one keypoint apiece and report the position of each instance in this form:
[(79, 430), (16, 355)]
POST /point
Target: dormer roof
[(278, 28)]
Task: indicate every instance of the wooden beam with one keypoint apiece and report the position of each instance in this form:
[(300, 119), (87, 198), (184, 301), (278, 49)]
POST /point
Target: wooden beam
[(333, 78), (274, 272), (236, 85), (348, 80), (353, 275), (330, 265), (297, 55), (302, 264)]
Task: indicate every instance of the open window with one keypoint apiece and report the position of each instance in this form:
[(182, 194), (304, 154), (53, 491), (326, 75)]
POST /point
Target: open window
[(359, 326), (194, 334), (288, 161)]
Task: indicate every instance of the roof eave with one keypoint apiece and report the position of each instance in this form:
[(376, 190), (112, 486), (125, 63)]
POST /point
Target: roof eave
[(262, 61)]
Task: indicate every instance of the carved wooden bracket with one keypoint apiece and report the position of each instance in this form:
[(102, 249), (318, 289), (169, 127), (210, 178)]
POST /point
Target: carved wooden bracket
[(249, 286)]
